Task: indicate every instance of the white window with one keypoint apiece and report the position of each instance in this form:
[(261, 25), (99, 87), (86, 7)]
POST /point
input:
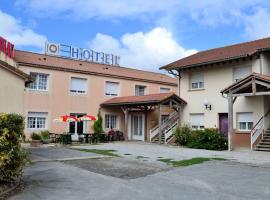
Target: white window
[(197, 121), (37, 120), (78, 85), (111, 121), (241, 72), (140, 90), (196, 81), (245, 121), (111, 88), (164, 90), (40, 82)]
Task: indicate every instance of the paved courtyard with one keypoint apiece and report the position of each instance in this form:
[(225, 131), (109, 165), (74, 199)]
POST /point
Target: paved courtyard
[(138, 174)]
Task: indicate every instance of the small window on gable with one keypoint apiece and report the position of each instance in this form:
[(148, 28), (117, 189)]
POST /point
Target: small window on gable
[(196, 81), (241, 72)]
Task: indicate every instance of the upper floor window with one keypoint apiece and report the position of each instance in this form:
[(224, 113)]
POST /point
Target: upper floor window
[(40, 81), (37, 120), (245, 121), (241, 72), (197, 121), (111, 121), (78, 85), (196, 81), (164, 90), (111, 88), (140, 90)]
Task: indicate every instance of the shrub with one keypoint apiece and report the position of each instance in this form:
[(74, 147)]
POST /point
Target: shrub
[(98, 128), (210, 139), (45, 135), (35, 136), (182, 134), (12, 156)]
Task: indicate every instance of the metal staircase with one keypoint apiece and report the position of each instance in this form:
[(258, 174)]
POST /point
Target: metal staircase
[(166, 129), (259, 136)]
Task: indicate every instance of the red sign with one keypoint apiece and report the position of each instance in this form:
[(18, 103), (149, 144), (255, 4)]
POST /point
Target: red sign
[(6, 47)]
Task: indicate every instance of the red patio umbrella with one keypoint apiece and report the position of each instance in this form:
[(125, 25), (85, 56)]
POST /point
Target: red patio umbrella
[(66, 118), (88, 118)]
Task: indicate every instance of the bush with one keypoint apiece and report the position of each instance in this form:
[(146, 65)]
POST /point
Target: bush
[(182, 134), (12, 156), (35, 136), (45, 135), (98, 128), (210, 139)]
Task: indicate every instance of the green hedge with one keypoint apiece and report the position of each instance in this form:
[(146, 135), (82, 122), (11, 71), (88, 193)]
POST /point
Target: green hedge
[(209, 138), (12, 156)]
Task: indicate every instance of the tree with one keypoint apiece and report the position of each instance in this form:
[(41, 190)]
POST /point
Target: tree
[(98, 127)]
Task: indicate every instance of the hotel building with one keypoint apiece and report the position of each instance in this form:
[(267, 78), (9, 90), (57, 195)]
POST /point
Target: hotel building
[(132, 101), (228, 88)]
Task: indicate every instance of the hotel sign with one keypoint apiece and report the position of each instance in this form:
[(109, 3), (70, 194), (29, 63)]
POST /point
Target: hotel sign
[(6, 47), (76, 53)]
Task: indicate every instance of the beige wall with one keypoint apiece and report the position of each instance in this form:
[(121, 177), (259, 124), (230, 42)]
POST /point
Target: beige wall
[(216, 79), (59, 101), (12, 92)]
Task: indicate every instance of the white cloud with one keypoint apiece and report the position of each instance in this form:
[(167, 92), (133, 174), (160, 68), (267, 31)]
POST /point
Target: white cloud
[(257, 25), (20, 35), (147, 51)]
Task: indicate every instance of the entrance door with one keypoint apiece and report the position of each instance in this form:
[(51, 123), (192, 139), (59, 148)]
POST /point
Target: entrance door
[(76, 128), (137, 126), (223, 123)]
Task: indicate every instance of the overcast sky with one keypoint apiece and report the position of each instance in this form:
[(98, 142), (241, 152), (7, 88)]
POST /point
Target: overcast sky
[(145, 33)]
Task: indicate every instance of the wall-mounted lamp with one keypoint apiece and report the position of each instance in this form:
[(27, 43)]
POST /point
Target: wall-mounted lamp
[(207, 105)]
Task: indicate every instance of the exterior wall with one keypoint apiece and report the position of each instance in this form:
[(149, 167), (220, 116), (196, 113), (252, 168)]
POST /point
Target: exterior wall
[(59, 101), (216, 79), (12, 92)]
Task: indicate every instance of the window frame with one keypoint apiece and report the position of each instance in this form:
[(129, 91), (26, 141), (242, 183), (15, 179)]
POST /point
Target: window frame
[(78, 92), (111, 94), (140, 87), (248, 67), (200, 85), (199, 126), (245, 123), (37, 82), (110, 118), (36, 120)]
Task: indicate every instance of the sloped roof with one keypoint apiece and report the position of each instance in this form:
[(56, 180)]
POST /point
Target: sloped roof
[(142, 100), (77, 66), (254, 75), (221, 54)]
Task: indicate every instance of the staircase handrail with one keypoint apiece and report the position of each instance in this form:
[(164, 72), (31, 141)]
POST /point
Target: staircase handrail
[(169, 131), (258, 129)]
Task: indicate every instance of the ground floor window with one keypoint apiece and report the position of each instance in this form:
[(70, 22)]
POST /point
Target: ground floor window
[(197, 121), (111, 121), (245, 121), (37, 120)]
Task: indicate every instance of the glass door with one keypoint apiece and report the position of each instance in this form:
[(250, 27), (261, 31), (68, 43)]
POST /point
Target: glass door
[(137, 126)]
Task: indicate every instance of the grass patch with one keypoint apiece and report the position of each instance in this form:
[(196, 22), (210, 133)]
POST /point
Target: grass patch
[(188, 162), (106, 152)]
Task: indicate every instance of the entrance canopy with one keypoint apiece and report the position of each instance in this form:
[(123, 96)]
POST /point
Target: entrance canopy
[(252, 85), (142, 101)]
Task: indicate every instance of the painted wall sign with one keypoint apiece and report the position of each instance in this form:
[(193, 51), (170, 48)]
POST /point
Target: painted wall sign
[(81, 54), (6, 47)]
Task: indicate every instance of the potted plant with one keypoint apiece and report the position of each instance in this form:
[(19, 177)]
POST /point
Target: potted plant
[(36, 140)]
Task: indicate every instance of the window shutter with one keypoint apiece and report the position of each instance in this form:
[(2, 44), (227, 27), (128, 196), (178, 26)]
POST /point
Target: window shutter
[(164, 90), (241, 72), (245, 117), (111, 88), (195, 78), (197, 119), (78, 84)]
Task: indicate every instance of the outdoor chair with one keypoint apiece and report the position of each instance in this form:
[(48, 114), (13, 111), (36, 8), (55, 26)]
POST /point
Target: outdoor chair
[(119, 136)]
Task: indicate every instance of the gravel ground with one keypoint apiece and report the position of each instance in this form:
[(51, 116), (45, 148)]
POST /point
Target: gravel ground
[(119, 167)]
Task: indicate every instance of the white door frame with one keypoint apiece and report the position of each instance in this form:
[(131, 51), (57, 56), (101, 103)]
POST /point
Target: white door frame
[(141, 138), (75, 136)]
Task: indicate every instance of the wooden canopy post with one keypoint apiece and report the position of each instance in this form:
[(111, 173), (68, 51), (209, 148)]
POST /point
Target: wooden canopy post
[(145, 123), (159, 124), (230, 120), (125, 110)]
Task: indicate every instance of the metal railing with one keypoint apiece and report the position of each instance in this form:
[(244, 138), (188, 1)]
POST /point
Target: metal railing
[(258, 129)]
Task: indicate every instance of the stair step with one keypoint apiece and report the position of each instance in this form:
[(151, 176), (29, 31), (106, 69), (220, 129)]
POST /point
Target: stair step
[(263, 146), (262, 149), (264, 142)]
